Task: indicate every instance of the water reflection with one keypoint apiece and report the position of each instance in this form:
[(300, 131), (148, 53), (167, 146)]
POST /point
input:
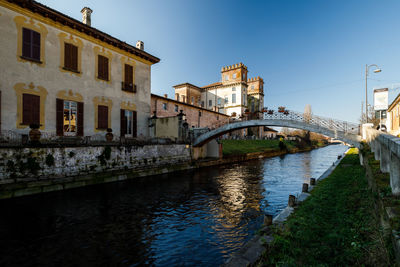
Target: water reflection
[(189, 218)]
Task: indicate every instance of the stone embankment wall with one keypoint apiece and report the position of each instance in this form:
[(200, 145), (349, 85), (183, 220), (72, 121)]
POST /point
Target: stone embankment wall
[(34, 170), (386, 148)]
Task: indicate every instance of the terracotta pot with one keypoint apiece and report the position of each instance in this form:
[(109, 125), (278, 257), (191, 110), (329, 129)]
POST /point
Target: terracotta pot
[(109, 137), (34, 135)]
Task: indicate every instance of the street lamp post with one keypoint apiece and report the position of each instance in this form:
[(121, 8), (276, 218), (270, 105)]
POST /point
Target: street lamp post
[(366, 83)]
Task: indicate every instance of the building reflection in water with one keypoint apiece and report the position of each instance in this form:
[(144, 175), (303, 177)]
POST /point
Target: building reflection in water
[(187, 218)]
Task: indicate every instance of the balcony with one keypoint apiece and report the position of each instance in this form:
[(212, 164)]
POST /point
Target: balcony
[(128, 87)]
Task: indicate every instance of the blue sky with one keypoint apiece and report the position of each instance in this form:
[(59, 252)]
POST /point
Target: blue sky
[(308, 52)]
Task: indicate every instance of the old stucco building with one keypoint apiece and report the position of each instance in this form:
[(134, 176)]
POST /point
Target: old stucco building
[(69, 77), (393, 117), (197, 117), (235, 95)]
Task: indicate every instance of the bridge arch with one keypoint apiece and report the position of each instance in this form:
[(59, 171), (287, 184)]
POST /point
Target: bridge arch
[(348, 134)]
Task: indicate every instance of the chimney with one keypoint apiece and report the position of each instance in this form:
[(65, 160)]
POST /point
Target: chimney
[(86, 13), (140, 45), (165, 95)]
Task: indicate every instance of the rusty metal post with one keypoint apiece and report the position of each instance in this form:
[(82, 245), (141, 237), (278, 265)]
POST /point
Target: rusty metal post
[(305, 188), (292, 201), (267, 219)]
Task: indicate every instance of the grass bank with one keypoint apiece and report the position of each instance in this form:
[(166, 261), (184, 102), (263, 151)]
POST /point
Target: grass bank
[(237, 147), (336, 226)]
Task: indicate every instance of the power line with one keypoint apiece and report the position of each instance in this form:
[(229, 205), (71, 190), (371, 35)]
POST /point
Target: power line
[(317, 88)]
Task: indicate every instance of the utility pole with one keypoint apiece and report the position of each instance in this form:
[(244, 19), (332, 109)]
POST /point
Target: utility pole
[(362, 110), (366, 87)]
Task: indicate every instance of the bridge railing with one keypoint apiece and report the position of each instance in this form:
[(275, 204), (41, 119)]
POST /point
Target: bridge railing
[(339, 125)]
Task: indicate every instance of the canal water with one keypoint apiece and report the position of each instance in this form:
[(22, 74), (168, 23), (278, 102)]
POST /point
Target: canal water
[(190, 218)]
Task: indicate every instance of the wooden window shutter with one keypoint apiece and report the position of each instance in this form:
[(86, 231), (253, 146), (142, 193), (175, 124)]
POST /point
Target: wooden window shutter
[(71, 57), (26, 42), (26, 109), (30, 109), (105, 68), (36, 109), (74, 57), (102, 67), (67, 55), (123, 122), (128, 75), (30, 44), (134, 124), (35, 45), (60, 117), (102, 117), (80, 119)]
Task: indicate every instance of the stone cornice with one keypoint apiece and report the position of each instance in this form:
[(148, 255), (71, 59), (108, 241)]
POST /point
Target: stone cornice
[(59, 17), (186, 104), (224, 85)]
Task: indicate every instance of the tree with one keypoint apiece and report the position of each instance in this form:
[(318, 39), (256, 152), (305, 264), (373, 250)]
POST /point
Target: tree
[(371, 117), (307, 113), (307, 117), (285, 131)]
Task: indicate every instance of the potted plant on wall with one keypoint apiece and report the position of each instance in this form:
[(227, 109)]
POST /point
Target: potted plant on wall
[(109, 135), (281, 109), (34, 133)]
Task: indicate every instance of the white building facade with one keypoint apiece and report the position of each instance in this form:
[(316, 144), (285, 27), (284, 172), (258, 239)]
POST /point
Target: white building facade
[(235, 95)]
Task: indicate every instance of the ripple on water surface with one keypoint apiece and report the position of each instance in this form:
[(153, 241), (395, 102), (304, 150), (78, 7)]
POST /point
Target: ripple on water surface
[(188, 218)]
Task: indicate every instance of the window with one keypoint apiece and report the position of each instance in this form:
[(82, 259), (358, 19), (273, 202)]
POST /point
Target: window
[(233, 89), (234, 76), (30, 109), (102, 68), (243, 76), (252, 87), (233, 98), (226, 77), (209, 103), (128, 123), (202, 104), (127, 84), (244, 100), (176, 108), (70, 57), (219, 101), (164, 106), (226, 100), (192, 100), (69, 118), (30, 44), (102, 117)]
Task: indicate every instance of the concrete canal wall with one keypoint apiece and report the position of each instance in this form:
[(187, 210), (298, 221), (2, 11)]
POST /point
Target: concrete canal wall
[(386, 148), (34, 170), (25, 171)]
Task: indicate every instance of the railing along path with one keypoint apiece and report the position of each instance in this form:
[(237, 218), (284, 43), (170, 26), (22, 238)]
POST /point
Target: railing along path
[(332, 124)]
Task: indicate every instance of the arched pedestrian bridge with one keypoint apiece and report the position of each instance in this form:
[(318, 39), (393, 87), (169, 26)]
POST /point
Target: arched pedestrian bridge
[(345, 131)]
